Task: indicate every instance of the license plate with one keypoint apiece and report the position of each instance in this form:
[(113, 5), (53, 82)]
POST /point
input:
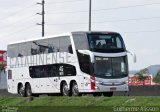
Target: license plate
[(113, 89)]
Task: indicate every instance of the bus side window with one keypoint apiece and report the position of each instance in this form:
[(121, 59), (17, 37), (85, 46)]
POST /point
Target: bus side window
[(69, 70), (52, 70), (53, 44), (65, 44)]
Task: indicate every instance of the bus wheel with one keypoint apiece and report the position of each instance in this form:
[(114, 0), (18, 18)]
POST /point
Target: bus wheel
[(28, 90), (97, 94), (65, 89), (21, 91), (75, 91), (109, 94)]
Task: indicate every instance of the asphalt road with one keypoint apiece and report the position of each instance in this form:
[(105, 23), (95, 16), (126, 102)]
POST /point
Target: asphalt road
[(133, 91)]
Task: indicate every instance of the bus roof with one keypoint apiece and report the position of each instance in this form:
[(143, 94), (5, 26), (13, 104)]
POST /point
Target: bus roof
[(84, 32), (40, 38), (63, 34)]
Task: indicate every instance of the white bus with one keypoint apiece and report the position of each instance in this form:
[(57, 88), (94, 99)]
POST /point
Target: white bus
[(70, 64)]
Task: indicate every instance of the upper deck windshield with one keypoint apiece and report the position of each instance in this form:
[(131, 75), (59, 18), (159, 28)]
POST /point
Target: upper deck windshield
[(111, 42)]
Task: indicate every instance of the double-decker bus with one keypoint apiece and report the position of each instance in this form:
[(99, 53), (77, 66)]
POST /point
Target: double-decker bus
[(70, 64)]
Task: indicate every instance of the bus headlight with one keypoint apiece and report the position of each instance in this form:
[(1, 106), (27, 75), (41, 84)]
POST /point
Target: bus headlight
[(98, 82), (125, 82)]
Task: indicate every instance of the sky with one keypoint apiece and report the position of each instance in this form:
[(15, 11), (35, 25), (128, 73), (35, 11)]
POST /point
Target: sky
[(138, 21)]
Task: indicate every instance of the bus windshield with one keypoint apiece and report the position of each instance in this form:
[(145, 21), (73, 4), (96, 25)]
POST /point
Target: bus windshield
[(111, 42), (111, 67)]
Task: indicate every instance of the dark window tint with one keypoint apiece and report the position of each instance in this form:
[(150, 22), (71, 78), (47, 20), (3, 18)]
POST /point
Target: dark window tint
[(19, 50), (24, 49), (9, 74), (39, 47), (58, 44), (13, 50), (111, 67), (52, 70), (65, 44), (53, 45), (80, 41), (84, 62), (111, 43)]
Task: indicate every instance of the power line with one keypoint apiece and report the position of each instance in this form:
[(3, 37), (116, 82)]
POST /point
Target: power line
[(105, 9), (69, 1), (122, 20), (84, 11), (21, 30), (68, 23), (136, 32), (15, 13), (125, 20), (145, 31), (132, 6), (25, 19)]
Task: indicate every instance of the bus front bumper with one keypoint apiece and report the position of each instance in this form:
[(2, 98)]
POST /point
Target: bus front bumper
[(106, 88)]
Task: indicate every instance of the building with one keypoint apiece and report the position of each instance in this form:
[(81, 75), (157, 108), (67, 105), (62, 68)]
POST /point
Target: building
[(134, 80)]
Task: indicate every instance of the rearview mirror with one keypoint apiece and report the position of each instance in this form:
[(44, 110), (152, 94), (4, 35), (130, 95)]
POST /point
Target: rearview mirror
[(133, 55), (134, 58)]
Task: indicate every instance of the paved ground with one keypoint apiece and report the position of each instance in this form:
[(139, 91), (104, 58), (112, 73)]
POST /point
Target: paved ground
[(4, 92), (134, 91)]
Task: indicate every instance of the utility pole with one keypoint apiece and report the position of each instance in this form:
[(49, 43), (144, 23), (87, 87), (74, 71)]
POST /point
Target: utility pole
[(42, 14), (90, 12)]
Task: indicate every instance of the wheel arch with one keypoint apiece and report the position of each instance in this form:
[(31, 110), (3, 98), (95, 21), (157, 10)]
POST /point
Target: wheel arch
[(18, 86), (27, 83), (71, 83), (61, 84)]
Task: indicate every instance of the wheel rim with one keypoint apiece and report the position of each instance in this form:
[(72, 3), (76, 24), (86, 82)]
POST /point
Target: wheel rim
[(75, 90), (21, 91), (28, 91), (65, 90)]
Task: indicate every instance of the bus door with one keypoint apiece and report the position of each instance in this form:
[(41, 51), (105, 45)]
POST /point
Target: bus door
[(10, 81)]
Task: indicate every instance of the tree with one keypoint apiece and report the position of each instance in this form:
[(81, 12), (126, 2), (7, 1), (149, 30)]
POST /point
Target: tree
[(142, 75), (156, 79), (2, 66)]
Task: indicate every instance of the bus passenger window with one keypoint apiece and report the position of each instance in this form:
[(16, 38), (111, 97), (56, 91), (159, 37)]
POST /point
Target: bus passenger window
[(50, 49), (69, 70)]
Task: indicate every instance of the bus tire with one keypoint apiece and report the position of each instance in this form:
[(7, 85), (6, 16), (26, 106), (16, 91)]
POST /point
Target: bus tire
[(108, 94), (74, 89), (97, 94), (35, 95), (21, 90), (65, 89), (28, 90)]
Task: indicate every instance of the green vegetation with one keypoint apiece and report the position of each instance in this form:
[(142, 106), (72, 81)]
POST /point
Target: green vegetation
[(142, 74), (143, 71), (47, 103), (156, 79), (81, 101), (2, 67)]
